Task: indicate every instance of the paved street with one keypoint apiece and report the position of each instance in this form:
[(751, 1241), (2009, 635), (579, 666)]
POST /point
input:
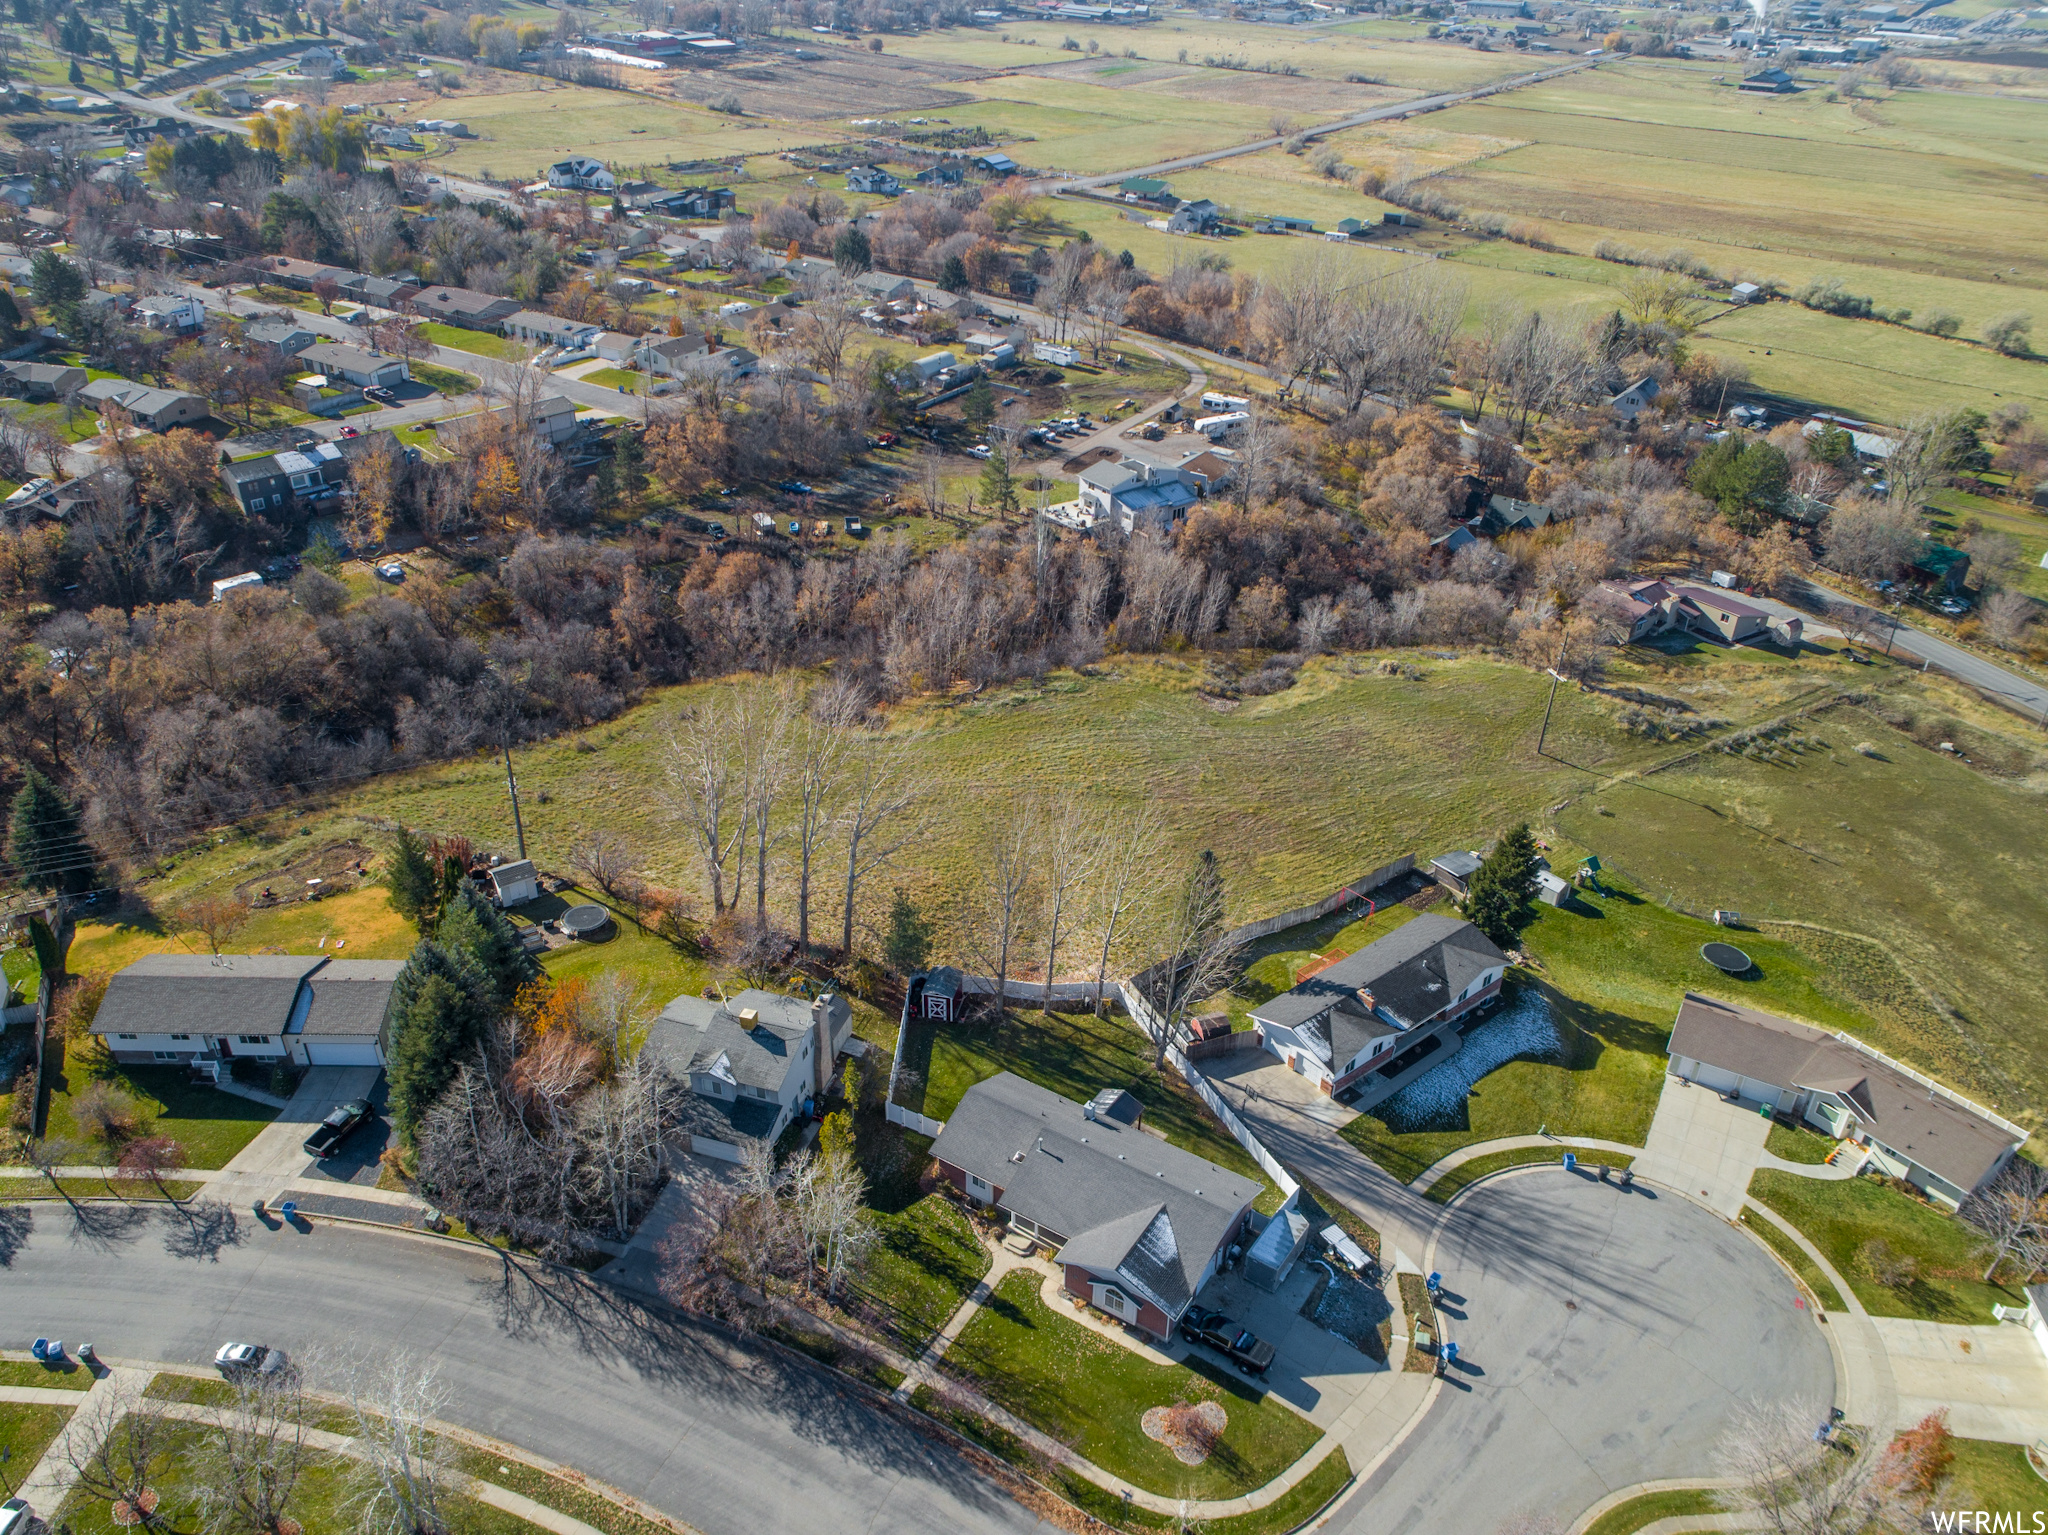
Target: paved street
[(732, 1438), (1604, 1339)]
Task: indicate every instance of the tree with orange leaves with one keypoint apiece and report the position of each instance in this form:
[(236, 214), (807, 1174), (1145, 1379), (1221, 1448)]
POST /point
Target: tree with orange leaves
[(497, 486)]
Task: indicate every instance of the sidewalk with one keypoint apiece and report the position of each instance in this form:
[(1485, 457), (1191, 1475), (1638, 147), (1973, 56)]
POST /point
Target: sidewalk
[(44, 1487), (1434, 1173)]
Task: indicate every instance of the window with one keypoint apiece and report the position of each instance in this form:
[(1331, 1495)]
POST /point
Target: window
[(277, 500), (124, 1036), (181, 1036), (252, 1039), (166, 1055)]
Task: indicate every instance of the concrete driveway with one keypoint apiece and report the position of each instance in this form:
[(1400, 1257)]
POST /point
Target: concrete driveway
[(1703, 1144), (1992, 1380), (1257, 1075), (276, 1156), (1605, 1339), (639, 1266)]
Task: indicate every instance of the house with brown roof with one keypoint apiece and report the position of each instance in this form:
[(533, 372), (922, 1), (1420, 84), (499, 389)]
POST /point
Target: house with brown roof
[(1709, 611), (1910, 1125)]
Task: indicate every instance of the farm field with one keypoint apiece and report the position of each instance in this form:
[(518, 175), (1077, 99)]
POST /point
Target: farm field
[(518, 132), (2029, 529)]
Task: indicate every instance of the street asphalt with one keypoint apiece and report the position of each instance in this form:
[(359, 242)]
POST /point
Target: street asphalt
[(1605, 1339), (732, 1437)]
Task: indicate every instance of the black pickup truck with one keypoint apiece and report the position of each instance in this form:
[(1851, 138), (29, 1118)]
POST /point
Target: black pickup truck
[(328, 1135)]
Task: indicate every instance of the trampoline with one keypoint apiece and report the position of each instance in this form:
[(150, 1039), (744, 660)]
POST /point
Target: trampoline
[(1725, 956), (586, 923)]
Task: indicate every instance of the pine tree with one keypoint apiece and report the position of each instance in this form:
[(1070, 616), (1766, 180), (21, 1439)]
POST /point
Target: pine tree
[(471, 925), (10, 312), (415, 887), (978, 406), (77, 75), (998, 485), (953, 275), (226, 41), (907, 943), (430, 1036), (1497, 900), (44, 842)]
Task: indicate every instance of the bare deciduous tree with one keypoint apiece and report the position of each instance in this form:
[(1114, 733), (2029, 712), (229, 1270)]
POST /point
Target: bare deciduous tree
[(620, 1124), (1075, 846), (1129, 872), (251, 1462), (111, 1443), (820, 753), (605, 858), (2013, 1215), (707, 788), (1000, 898), (874, 816), (402, 1471), (213, 918), (828, 1193), (1200, 952)]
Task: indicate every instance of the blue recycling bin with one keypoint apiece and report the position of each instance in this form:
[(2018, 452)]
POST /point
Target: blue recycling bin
[(1571, 1161), (289, 1210)]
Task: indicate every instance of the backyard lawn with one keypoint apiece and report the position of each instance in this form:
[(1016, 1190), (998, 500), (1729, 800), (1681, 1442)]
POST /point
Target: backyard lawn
[(1029, 1359), (358, 923), (1075, 1055), (211, 1125), (26, 1430), (1841, 1217), (922, 1269)]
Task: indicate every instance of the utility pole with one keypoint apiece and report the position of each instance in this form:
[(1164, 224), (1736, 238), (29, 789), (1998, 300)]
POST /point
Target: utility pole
[(512, 783)]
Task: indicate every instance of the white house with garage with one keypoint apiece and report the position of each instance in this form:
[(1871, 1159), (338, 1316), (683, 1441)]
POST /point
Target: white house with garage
[(751, 1061), (206, 1011), (581, 173)]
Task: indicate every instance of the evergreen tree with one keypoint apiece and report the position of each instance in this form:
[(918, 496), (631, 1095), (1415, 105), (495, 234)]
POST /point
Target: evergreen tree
[(415, 887), (77, 75), (1497, 900), (225, 40), (10, 317), (471, 925), (851, 252), (978, 405), (114, 63), (907, 944), (998, 485), (953, 275), (835, 1136), (44, 842), (430, 1036)]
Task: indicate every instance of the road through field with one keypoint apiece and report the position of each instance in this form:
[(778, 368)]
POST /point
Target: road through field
[(1355, 120)]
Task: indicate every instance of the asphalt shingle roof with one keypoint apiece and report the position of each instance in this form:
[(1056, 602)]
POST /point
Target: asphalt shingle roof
[(1413, 973), (692, 1032), (350, 997), (197, 994)]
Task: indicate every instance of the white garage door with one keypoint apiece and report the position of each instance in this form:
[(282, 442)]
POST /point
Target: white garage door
[(342, 1052), (1719, 1078)]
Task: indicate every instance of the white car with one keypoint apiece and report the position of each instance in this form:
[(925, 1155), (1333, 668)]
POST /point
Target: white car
[(249, 1359), (980, 450), (391, 571), (16, 1517)]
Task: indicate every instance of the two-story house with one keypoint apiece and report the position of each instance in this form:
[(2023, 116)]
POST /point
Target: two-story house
[(308, 476), (1359, 1026), (751, 1062), (872, 179), (1135, 496), (581, 173)]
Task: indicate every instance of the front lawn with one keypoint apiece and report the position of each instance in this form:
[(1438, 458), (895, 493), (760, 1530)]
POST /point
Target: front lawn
[(1795, 1255), (1799, 1144), (615, 378), (479, 342), (68, 1376), (1465, 1174), (1840, 1217), (449, 381), (211, 1125), (1091, 1394), (1636, 1513), (926, 1262), (1075, 1055), (1996, 1476), (26, 1430)]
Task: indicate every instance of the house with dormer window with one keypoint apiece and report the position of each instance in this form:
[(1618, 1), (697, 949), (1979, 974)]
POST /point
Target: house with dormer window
[(751, 1061)]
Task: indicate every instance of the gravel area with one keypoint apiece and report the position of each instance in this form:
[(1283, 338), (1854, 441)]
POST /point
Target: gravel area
[(1523, 1030)]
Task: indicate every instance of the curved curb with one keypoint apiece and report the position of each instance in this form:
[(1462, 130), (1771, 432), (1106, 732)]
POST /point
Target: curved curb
[(1629, 1494), (1450, 1162)]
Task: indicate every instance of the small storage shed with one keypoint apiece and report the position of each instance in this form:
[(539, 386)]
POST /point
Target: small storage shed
[(942, 995), (1454, 871), (1272, 1256), (515, 883), (1551, 890)]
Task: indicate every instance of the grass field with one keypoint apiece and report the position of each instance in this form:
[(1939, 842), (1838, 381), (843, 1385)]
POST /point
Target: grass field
[(480, 343), (449, 381), (362, 920), (2029, 528), (1839, 1218), (1819, 835), (69, 1376), (1029, 1358), (211, 1125), (922, 1269), (1795, 1255), (518, 132)]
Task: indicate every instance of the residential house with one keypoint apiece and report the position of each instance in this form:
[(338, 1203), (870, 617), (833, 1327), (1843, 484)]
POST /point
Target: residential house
[(693, 355), (631, 287), (158, 410), (320, 63), (996, 163), (872, 179), (537, 329), (615, 346), (392, 136), (302, 275), (47, 500), (40, 380), (1639, 603), (1194, 218), (1141, 1225), (238, 99), (1362, 1025), (751, 1061), (464, 307), (1635, 399), (305, 477), (581, 173), (171, 312), (1145, 189), (205, 1011), (941, 175), (1939, 567), (1909, 1126), (689, 203), (1135, 496), (325, 395), (1504, 514), (381, 292), (361, 368), (552, 417), (884, 287), (1709, 611), (1769, 82), (287, 338)]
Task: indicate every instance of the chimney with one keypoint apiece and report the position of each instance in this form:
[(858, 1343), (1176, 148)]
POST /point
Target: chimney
[(821, 1045)]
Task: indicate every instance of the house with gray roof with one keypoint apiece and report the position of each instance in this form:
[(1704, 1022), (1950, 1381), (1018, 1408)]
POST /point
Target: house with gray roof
[(1140, 1224), (156, 410), (751, 1062), (1908, 1125), (287, 338), (1138, 496), (204, 1011), (41, 380), (1359, 1027)]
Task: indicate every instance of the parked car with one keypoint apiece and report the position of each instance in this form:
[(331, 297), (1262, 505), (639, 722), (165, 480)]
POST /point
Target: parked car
[(794, 488), (1200, 1325), (1242, 1347), (257, 1359), (391, 570), (349, 431), (337, 1127), (1953, 606), (380, 394), (980, 450), (16, 1517)]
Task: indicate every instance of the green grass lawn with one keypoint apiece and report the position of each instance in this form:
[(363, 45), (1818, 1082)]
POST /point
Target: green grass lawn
[(1997, 1475), (1627, 1518), (1076, 1055), (1839, 1218), (322, 1502), (448, 381), (26, 1430), (69, 1376), (1467, 1173), (20, 973), (141, 1190), (1275, 963), (482, 343), (1795, 1255), (211, 1125), (1800, 1145), (615, 378), (1030, 1360), (921, 1270), (361, 920)]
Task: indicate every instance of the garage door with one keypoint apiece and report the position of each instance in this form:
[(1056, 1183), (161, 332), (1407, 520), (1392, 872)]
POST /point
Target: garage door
[(1719, 1078), (342, 1052)]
